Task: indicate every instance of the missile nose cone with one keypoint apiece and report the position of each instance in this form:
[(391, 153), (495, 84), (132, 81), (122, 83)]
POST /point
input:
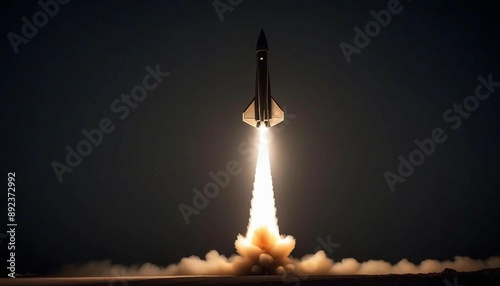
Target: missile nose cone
[(262, 42)]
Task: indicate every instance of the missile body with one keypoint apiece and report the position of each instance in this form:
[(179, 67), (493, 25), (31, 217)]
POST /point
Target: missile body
[(263, 110)]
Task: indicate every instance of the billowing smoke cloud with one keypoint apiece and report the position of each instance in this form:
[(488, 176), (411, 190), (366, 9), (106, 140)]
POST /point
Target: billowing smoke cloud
[(216, 264), (264, 251), (320, 264)]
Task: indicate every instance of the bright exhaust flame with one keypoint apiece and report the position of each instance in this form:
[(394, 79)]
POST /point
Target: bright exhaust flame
[(263, 247), (263, 211)]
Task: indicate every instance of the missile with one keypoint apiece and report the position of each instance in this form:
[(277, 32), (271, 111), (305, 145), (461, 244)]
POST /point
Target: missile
[(263, 109)]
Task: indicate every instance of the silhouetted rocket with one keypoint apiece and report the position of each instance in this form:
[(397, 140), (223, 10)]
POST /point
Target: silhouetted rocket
[(263, 109)]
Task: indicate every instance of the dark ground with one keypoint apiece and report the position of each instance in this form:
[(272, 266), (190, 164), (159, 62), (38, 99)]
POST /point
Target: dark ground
[(489, 277)]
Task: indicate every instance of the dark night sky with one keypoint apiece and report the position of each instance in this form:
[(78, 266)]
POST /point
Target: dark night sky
[(352, 122)]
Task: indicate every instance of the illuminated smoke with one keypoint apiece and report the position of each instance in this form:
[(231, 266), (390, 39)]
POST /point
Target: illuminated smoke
[(264, 251), (214, 264), (262, 209)]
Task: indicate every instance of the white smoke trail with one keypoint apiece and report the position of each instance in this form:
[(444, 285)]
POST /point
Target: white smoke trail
[(262, 208)]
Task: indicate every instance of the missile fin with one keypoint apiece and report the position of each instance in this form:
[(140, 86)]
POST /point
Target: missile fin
[(277, 113), (249, 114)]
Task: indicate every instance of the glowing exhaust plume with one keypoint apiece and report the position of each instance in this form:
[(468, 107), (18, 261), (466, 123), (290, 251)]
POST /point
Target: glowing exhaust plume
[(262, 210), (263, 249)]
